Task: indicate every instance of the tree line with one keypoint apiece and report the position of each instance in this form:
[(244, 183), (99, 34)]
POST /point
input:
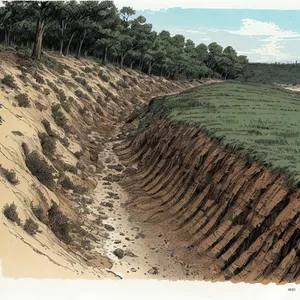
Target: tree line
[(101, 30)]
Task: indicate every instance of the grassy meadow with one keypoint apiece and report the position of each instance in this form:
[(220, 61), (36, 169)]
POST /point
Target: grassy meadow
[(262, 121)]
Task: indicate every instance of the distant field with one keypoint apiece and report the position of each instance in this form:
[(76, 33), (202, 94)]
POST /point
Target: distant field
[(262, 119), (275, 73)]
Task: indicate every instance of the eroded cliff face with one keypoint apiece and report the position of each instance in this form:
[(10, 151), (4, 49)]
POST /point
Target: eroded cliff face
[(229, 218)]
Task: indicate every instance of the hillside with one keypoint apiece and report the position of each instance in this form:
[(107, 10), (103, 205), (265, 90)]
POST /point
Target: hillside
[(217, 167), (59, 119)]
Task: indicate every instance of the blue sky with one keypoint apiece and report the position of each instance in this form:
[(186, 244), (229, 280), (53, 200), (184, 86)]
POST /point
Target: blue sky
[(263, 35)]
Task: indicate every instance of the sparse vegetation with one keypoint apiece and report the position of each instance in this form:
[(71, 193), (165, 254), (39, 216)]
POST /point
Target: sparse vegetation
[(48, 144), (39, 167), (38, 212), (67, 184), (10, 212), (10, 175), (103, 76), (53, 64), (59, 224), (23, 100), (59, 117), (31, 227), (81, 80), (9, 81)]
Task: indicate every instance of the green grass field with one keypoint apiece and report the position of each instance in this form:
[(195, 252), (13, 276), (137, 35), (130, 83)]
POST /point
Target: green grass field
[(260, 120)]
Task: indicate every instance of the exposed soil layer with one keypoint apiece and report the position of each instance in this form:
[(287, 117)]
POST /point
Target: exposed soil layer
[(228, 218)]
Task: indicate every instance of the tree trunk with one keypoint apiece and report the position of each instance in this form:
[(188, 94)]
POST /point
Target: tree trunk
[(161, 71), (227, 75), (62, 37), (141, 65), (131, 64), (104, 56), (122, 62), (78, 54), (149, 68), (37, 47), (67, 50)]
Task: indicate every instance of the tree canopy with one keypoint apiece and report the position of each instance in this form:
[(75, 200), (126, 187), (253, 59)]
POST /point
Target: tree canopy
[(99, 29)]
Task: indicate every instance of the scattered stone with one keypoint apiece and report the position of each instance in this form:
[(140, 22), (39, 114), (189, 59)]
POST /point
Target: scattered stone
[(117, 242), (140, 235), (109, 227), (106, 204), (119, 253), (127, 239), (153, 271), (118, 168), (121, 233), (133, 270)]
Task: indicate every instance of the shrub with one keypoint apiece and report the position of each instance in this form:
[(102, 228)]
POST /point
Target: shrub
[(47, 91), (88, 70), (79, 94), (38, 212), (103, 76), (37, 87), (25, 149), (52, 86), (123, 84), (81, 80), (53, 64), (113, 85), (66, 106), (79, 189), (78, 154), (89, 88), (40, 106), (10, 212), (59, 223), (38, 78), (72, 72), (39, 167), (31, 227), (9, 81), (61, 96), (59, 117), (10, 175), (23, 100), (48, 128), (70, 168), (67, 184), (65, 142), (48, 144)]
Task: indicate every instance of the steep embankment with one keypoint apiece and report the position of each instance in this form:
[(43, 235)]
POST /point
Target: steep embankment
[(67, 111), (229, 218)]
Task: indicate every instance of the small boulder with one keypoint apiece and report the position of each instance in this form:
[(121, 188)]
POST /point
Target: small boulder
[(119, 253), (109, 227), (153, 271)]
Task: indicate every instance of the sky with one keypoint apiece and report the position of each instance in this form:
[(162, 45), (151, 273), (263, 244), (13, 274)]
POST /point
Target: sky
[(268, 33)]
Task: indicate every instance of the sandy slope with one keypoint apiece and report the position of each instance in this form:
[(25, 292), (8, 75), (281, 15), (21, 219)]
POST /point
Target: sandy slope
[(44, 256)]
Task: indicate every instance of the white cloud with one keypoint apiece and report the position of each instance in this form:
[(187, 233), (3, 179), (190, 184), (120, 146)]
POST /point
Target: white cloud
[(249, 4), (270, 34)]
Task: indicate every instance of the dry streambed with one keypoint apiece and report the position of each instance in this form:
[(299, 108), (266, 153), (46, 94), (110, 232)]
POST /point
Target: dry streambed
[(137, 250)]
